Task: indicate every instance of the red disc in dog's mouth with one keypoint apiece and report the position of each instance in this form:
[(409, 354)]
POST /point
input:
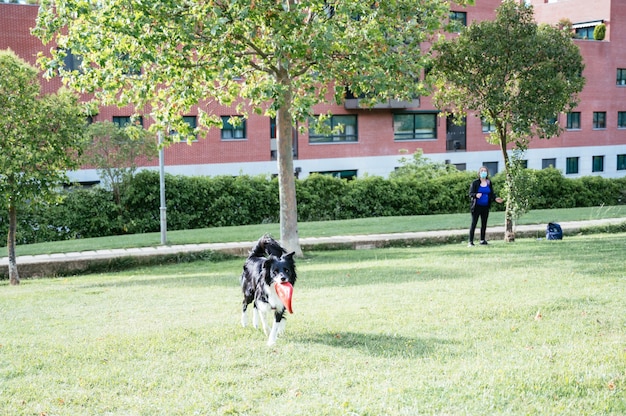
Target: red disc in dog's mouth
[(285, 292)]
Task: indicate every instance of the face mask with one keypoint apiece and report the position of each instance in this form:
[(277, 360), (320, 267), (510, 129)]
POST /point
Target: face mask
[(483, 174)]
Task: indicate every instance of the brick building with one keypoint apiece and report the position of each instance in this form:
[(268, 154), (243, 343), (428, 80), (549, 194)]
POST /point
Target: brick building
[(594, 141)]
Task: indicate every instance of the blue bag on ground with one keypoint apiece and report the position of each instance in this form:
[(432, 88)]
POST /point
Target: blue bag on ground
[(554, 231)]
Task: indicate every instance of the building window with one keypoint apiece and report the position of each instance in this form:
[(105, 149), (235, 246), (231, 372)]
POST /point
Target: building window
[(548, 163), (598, 164), (621, 76), (573, 121), (571, 165), (343, 129), (418, 126), (341, 174), (585, 32), (232, 130), (621, 119), (621, 162), (599, 120), (124, 121), (130, 68), (71, 62), (487, 127), (460, 18), (492, 167), (273, 127), (191, 121)]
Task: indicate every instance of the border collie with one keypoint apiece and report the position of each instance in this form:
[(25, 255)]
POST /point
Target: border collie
[(267, 265)]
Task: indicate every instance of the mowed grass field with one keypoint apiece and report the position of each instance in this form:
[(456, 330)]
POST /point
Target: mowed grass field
[(534, 327)]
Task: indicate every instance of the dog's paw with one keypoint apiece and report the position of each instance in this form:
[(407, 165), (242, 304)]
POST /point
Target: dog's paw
[(244, 320)]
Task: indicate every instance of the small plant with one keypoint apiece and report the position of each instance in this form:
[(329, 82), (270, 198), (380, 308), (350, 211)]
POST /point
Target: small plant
[(599, 32)]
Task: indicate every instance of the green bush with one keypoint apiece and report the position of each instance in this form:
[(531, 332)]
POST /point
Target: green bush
[(202, 202), (321, 198)]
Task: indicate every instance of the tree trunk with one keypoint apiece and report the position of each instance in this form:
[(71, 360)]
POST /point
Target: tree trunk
[(286, 177), (14, 277), (509, 234)]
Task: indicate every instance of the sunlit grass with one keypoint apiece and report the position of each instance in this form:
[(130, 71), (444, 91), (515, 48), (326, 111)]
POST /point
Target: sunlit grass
[(534, 327)]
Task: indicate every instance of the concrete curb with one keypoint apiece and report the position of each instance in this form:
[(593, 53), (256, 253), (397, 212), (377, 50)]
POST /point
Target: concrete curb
[(77, 262)]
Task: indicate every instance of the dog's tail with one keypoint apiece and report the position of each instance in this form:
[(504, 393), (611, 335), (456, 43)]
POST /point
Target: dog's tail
[(267, 246)]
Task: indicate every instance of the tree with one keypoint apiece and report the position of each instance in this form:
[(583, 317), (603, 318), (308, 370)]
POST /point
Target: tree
[(114, 152), (41, 137), (277, 57), (515, 74), (422, 168)]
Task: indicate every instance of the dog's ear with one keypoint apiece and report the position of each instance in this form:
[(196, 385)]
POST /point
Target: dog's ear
[(290, 255)]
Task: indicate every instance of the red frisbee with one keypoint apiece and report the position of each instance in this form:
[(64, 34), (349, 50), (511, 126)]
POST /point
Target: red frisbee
[(285, 292)]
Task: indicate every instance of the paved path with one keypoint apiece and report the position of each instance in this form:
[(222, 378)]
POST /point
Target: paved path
[(75, 262)]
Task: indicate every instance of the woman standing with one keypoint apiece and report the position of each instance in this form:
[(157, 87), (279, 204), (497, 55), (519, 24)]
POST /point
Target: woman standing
[(481, 194)]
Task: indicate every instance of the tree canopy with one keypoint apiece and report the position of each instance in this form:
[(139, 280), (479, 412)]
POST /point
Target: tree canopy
[(515, 74), (274, 57), (41, 137)]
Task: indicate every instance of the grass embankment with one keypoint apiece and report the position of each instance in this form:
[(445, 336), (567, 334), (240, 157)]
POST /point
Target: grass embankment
[(379, 225), (535, 327)]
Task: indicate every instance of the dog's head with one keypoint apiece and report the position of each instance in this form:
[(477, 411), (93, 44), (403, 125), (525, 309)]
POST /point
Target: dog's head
[(280, 269)]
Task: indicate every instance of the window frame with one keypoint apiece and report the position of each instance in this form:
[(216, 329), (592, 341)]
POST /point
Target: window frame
[(597, 163), (621, 119), (192, 122), (458, 18), (571, 122), (242, 128), (599, 120), (548, 162), (492, 167), (585, 32), (572, 165), (620, 78), (406, 135), (72, 62), (487, 128), (621, 162), (339, 136), (124, 121)]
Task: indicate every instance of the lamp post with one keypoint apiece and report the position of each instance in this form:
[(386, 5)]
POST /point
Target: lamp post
[(162, 208)]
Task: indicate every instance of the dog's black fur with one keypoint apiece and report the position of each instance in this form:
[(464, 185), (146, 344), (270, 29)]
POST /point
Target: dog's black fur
[(268, 263)]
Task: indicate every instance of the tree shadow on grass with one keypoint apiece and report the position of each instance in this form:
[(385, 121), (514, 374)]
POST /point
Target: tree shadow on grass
[(380, 345)]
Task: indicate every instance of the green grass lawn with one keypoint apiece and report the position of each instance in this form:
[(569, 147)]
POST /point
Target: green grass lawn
[(379, 225), (530, 328)]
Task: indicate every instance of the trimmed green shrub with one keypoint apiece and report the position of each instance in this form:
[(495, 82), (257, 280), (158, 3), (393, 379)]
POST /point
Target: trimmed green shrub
[(202, 202)]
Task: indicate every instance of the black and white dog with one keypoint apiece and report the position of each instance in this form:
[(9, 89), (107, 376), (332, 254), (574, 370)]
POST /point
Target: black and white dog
[(267, 265)]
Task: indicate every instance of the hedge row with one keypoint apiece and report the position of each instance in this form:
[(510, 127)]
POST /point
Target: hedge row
[(199, 202)]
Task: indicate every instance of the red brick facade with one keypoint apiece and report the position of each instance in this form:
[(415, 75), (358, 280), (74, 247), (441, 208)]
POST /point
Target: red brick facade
[(375, 151)]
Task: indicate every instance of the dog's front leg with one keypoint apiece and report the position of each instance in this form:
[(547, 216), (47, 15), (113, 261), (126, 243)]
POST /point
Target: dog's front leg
[(255, 317), (244, 316), (261, 313), (277, 328)]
